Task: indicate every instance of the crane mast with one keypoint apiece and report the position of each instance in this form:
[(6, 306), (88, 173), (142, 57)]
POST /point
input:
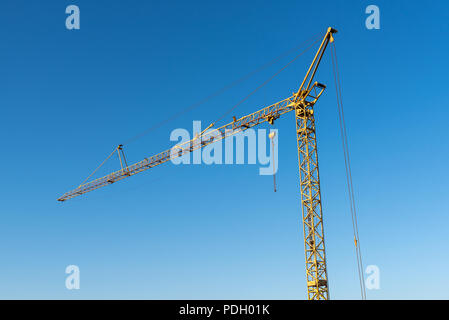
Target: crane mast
[(302, 103), (312, 215)]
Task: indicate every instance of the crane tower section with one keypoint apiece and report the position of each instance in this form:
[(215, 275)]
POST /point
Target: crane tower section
[(315, 258)]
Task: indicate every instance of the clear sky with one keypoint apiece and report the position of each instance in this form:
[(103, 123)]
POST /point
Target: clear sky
[(68, 97)]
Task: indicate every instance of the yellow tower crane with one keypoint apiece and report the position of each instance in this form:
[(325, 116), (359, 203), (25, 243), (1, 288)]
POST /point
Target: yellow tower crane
[(302, 103)]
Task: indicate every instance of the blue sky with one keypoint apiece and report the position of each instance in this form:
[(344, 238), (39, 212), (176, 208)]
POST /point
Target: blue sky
[(68, 97)]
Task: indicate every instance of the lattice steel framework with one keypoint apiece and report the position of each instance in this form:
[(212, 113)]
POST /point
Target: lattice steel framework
[(312, 216)]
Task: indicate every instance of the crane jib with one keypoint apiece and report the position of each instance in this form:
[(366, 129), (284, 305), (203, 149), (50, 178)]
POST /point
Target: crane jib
[(263, 115)]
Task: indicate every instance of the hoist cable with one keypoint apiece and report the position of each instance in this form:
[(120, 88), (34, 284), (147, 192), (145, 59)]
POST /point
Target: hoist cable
[(349, 182), (271, 136), (348, 171)]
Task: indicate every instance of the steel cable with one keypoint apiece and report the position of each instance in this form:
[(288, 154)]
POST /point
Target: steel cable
[(345, 146)]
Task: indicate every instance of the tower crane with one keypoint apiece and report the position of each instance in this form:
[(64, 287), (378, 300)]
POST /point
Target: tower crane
[(302, 103)]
